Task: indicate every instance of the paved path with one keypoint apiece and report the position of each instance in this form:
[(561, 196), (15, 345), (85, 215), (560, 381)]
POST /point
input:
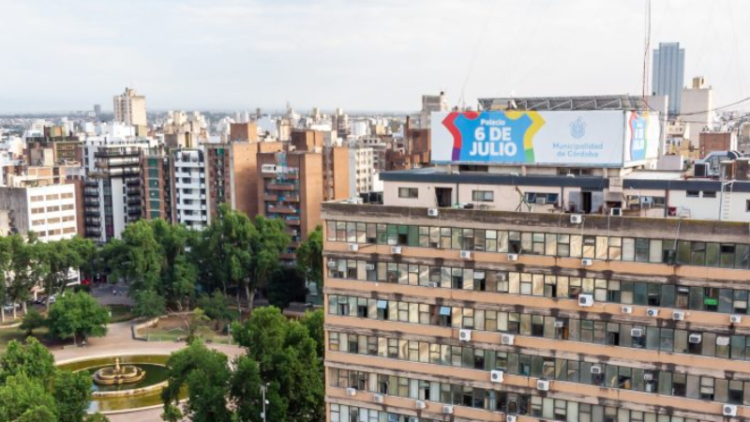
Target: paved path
[(119, 341)]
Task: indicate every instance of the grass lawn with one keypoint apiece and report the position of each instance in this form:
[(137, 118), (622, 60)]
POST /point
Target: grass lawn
[(120, 313)]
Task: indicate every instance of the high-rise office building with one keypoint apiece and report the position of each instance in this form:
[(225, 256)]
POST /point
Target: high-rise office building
[(491, 291), (130, 109), (669, 74)]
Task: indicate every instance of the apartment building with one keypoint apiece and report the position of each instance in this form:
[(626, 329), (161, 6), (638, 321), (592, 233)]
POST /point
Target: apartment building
[(191, 204), (476, 292), (130, 109), (49, 211), (113, 185), (157, 178)]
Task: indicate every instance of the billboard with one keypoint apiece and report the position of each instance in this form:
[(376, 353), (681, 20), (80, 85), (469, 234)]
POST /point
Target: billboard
[(595, 138)]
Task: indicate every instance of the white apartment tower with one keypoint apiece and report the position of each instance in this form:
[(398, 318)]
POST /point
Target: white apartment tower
[(130, 108), (190, 203)]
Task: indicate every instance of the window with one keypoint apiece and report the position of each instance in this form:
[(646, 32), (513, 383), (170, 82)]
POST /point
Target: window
[(541, 198), (693, 194), (483, 195), (709, 194), (408, 193)]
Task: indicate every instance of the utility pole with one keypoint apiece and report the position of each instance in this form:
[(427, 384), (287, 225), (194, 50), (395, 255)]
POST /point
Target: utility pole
[(263, 389)]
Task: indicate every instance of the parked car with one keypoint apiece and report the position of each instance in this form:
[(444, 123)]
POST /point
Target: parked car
[(8, 307)]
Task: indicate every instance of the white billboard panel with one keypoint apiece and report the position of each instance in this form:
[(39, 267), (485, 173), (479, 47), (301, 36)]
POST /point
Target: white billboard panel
[(558, 138)]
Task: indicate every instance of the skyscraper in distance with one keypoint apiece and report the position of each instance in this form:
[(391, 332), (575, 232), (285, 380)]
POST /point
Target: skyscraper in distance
[(669, 73)]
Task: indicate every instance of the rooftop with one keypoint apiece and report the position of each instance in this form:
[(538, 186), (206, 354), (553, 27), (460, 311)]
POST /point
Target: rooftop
[(599, 102)]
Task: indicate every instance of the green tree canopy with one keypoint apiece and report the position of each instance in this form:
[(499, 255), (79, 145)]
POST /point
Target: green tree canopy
[(206, 375), (285, 285), (310, 259), (24, 398), (77, 315), (72, 393), (286, 355), (30, 358), (32, 320)]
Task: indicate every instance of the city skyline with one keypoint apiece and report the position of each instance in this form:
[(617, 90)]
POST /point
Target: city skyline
[(242, 55)]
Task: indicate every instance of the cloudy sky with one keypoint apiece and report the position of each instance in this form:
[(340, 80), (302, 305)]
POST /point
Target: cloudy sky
[(360, 55)]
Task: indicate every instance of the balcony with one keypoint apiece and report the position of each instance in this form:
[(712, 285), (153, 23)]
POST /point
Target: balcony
[(269, 197), (92, 212), (133, 182), (292, 197), (94, 201), (287, 256), (91, 192), (134, 201), (292, 222), (282, 186), (93, 221), (282, 210)]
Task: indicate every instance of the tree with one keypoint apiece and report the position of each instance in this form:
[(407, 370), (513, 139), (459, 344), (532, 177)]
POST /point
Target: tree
[(25, 267), (96, 417), (72, 394), (32, 320), (313, 321), (197, 322), (216, 307), (269, 241), (23, 398), (205, 373), (57, 258), (137, 257), (286, 354), (246, 394), (310, 259), (285, 285), (30, 358), (77, 315), (239, 252), (179, 274), (6, 257), (149, 304)]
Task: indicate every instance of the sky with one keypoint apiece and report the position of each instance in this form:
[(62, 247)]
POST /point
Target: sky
[(377, 55)]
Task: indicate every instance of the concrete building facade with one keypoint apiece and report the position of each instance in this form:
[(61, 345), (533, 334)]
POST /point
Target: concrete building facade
[(130, 108), (668, 74)]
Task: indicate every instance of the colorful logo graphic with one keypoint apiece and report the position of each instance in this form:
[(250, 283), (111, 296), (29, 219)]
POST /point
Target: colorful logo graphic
[(638, 123), (578, 128), (494, 136)]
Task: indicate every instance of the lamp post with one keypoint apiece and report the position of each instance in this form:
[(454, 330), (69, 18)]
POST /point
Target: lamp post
[(263, 389)]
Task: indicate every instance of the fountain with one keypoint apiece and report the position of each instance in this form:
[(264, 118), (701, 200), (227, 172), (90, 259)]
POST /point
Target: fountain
[(116, 375), (123, 383)]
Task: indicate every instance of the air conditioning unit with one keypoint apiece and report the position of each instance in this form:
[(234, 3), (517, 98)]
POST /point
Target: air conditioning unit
[(678, 315), (627, 309), (735, 319), (420, 404), (396, 250), (464, 335), (596, 370), (648, 376), (695, 338), (331, 264), (433, 212), (541, 200), (576, 219), (636, 332), (729, 410), (512, 257), (433, 284), (465, 254), (652, 312), (496, 376), (369, 267), (510, 418), (377, 398), (448, 409), (586, 262), (615, 212), (542, 385), (351, 392), (586, 301), (507, 339), (353, 247)]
